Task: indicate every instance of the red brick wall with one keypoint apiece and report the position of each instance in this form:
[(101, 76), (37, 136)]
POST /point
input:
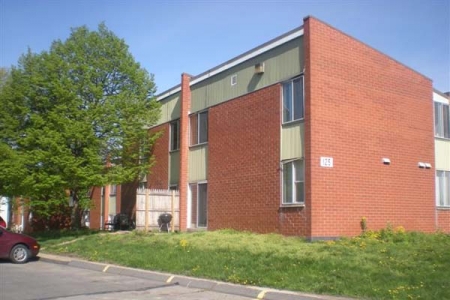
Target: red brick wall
[(17, 211), (362, 106), (244, 165), (443, 220), (95, 210), (159, 173), (128, 199)]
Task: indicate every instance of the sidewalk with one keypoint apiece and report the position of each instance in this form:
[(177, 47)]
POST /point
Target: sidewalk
[(192, 282)]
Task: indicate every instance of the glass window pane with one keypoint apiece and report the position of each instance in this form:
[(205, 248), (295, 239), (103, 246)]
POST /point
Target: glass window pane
[(193, 191), (446, 121), (436, 118), (298, 98), (299, 191), (287, 183), (447, 189), (174, 135), (203, 127), (440, 188), (113, 189), (299, 170), (438, 193), (112, 205), (193, 126), (287, 102), (202, 220)]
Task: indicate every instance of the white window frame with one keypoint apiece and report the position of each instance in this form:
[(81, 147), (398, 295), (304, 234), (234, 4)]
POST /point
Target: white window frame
[(443, 189), (294, 182), (292, 112), (171, 147)]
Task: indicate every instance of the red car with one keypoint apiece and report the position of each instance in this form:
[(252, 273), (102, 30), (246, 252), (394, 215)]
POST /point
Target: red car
[(19, 248)]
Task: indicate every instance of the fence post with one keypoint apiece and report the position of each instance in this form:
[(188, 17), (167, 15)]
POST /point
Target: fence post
[(146, 210)]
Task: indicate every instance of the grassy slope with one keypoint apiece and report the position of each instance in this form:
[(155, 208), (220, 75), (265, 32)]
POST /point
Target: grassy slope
[(380, 265)]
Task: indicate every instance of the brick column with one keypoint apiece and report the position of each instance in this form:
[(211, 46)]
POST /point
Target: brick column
[(184, 147), (307, 140)]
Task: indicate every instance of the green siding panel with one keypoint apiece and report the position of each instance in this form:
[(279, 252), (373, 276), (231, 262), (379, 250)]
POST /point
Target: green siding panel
[(174, 167), (292, 140), (280, 63), (170, 109), (198, 163), (442, 149)]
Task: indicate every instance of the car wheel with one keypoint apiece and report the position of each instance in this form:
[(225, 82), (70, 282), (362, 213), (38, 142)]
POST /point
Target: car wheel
[(19, 254)]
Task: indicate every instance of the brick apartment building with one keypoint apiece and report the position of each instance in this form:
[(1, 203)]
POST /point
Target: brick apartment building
[(303, 135)]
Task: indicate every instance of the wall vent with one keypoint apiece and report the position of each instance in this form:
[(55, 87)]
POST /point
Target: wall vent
[(234, 79), (259, 68)]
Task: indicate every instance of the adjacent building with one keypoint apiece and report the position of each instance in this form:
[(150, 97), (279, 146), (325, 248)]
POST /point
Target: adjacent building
[(442, 163)]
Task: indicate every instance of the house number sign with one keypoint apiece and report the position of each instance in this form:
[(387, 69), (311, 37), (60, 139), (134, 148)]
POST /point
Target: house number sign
[(326, 162)]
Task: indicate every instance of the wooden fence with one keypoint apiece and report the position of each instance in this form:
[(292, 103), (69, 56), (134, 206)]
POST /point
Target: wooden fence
[(150, 204)]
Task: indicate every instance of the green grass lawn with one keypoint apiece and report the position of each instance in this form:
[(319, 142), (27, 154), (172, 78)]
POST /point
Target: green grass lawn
[(389, 264)]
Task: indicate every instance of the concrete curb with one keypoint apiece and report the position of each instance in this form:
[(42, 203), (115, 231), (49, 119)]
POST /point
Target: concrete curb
[(252, 292)]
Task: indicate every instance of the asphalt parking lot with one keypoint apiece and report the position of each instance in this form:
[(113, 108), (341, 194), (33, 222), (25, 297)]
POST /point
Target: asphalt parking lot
[(56, 277)]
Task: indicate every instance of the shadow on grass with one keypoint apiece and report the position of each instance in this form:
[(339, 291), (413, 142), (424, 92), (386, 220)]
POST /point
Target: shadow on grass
[(63, 235)]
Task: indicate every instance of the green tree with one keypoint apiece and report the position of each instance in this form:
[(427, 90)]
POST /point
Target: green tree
[(3, 76), (75, 117)]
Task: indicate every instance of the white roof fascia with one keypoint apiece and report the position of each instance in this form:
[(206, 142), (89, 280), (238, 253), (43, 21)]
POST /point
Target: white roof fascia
[(440, 99), (237, 61), (168, 93)]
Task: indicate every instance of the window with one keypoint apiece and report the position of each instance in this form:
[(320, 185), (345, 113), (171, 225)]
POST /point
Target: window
[(293, 100), (442, 120), (199, 128), (293, 182), (443, 188), (175, 135)]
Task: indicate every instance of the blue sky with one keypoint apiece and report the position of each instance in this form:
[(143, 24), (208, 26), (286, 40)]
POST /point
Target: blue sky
[(171, 37)]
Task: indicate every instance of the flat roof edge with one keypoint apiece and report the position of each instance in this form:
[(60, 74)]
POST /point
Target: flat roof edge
[(440, 93)]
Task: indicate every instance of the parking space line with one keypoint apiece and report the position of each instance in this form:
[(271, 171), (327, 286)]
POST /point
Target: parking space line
[(262, 294)]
